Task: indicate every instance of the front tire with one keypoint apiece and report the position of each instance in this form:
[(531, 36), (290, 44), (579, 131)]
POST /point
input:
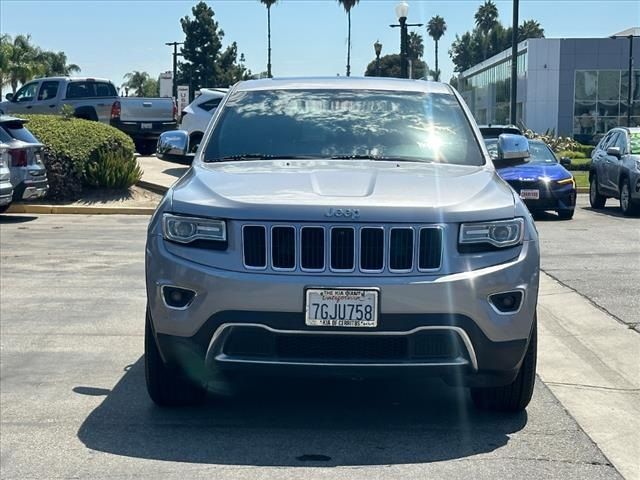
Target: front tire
[(627, 205), (595, 199), (165, 386), (566, 214), (515, 396)]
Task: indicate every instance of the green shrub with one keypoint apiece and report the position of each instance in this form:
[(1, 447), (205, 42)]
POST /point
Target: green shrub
[(80, 153), (578, 164), (570, 154)]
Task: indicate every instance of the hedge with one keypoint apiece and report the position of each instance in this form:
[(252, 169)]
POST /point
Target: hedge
[(82, 154)]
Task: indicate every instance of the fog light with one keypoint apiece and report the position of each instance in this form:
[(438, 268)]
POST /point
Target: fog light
[(176, 297), (506, 302)]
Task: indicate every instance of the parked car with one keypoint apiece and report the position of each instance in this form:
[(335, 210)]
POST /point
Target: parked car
[(144, 119), (359, 229), (23, 153), (96, 99), (196, 116), (615, 170), (6, 188), (91, 98), (543, 182), (494, 131)]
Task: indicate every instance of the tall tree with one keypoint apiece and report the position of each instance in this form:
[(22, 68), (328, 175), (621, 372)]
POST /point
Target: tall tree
[(415, 46), (21, 60), (530, 29), (205, 63), (348, 5), (390, 67), (486, 19), (136, 81), (55, 63), (436, 28), (268, 4)]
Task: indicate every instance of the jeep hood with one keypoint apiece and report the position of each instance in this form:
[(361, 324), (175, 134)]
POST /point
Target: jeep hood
[(305, 190)]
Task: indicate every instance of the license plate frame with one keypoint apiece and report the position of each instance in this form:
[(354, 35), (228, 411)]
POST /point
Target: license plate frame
[(146, 126), (368, 297), (530, 194)]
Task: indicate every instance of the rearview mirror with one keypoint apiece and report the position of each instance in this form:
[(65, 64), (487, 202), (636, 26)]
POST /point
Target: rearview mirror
[(614, 152), (565, 161), (512, 150), (173, 145), (8, 96)]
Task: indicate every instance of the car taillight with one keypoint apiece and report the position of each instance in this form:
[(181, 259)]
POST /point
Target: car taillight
[(175, 110), (115, 110), (18, 158)]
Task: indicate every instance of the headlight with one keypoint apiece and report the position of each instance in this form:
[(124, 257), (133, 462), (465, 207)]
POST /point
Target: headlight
[(187, 229), (501, 233), (566, 181)]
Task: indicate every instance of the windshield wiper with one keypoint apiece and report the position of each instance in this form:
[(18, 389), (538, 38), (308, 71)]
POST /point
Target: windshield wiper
[(260, 156), (381, 158)]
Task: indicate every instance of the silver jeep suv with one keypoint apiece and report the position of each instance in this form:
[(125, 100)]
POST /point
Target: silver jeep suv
[(342, 227)]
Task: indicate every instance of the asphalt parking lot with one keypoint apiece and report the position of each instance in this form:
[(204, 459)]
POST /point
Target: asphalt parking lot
[(597, 254), (74, 405)]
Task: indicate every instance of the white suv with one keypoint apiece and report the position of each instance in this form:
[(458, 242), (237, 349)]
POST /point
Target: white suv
[(196, 116)]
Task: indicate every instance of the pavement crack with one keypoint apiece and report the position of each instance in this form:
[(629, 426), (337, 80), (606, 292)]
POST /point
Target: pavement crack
[(594, 387)]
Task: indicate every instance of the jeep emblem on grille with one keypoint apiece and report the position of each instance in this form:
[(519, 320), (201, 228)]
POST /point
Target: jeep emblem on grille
[(343, 212)]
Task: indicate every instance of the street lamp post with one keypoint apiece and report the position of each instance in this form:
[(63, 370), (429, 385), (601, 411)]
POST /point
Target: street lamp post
[(632, 33), (514, 64), (402, 10), (175, 66), (377, 47)]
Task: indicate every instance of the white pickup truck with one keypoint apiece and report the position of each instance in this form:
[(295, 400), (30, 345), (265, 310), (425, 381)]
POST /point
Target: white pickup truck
[(144, 119)]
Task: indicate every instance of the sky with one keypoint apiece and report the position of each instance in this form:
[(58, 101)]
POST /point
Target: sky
[(108, 38)]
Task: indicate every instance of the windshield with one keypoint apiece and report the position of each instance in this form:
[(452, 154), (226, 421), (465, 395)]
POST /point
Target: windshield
[(539, 152), (379, 125)]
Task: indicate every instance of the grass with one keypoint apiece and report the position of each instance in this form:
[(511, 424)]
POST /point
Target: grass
[(582, 178)]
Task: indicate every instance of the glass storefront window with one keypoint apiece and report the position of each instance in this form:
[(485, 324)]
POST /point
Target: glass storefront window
[(586, 85)]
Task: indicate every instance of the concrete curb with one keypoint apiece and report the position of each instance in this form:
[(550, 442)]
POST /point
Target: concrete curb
[(78, 209), (152, 187), (582, 189)]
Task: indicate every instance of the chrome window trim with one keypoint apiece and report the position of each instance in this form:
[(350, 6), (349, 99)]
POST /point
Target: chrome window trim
[(266, 247), (413, 251), (384, 245), (324, 257), (355, 250), (458, 330), (295, 251), (434, 227)]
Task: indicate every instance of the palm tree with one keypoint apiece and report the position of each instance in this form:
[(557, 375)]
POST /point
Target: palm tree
[(136, 81), (20, 57), (348, 5), (486, 19), (436, 28), (530, 29), (55, 63), (415, 46), (268, 4)]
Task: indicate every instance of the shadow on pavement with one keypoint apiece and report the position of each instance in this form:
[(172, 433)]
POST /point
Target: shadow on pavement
[(612, 211), (16, 218), (299, 423)]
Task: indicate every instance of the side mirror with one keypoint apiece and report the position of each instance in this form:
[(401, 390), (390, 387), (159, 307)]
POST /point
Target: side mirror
[(512, 150), (614, 152), (8, 96), (565, 161), (173, 145)]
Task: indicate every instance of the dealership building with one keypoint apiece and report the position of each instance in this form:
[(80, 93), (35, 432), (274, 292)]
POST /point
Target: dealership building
[(576, 86)]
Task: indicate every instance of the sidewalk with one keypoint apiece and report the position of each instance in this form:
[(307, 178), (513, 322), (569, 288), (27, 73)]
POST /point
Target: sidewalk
[(158, 175)]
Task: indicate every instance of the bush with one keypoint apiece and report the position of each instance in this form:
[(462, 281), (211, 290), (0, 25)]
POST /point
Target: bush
[(578, 164), (570, 154), (80, 153)]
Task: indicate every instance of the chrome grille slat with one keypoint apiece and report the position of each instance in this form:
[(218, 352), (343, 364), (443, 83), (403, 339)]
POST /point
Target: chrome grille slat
[(367, 249)]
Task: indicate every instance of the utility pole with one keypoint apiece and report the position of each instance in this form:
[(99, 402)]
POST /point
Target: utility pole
[(175, 65), (514, 62)]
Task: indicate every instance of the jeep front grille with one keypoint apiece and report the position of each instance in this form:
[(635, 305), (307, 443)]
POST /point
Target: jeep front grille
[(342, 249)]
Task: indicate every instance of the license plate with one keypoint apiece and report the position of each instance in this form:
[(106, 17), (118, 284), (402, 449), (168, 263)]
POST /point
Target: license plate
[(146, 126), (530, 194), (341, 308)]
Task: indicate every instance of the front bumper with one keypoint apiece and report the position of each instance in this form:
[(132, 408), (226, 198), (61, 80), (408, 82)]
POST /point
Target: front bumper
[(553, 198), (6, 193), (266, 308)]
